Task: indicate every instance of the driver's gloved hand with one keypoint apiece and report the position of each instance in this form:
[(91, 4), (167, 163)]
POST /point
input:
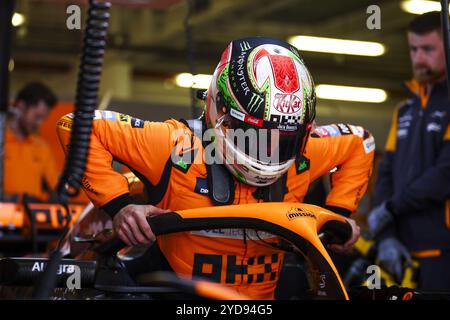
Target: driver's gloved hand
[(379, 218), (392, 255)]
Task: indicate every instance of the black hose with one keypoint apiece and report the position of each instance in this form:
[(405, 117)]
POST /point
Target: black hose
[(86, 99), (85, 104), (27, 271)]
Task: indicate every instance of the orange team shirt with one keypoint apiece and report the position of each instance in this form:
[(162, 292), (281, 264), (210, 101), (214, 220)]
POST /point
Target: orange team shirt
[(241, 259), (28, 166)]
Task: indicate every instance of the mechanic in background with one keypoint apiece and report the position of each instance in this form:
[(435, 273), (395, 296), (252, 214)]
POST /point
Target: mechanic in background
[(412, 197), (28, 163)]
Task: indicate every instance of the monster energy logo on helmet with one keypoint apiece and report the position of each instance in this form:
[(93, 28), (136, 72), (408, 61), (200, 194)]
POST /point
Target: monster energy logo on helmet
[(245, 46), (255, 102)]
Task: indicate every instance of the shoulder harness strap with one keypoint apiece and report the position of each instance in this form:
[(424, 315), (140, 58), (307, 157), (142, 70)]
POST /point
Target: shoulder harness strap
[(220, 181)]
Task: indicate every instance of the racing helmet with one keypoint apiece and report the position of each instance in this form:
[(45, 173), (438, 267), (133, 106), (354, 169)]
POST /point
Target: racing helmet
[(261, 86)]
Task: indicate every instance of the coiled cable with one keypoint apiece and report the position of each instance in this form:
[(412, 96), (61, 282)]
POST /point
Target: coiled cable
[(89, 75), (86, 99)]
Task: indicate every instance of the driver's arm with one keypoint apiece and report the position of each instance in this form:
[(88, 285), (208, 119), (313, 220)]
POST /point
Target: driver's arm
[(144, 147), (350, 151)]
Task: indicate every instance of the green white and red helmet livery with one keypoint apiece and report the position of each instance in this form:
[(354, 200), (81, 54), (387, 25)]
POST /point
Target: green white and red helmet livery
[(261, 84)]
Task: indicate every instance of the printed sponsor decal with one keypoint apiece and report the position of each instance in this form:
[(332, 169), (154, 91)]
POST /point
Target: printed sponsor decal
[(357, 130), (137, 123), (65, 124), (402, 133), (238, 66), (97, 115), (344, 129), (323, 281), (369, 145), (47, 216), (255, 102), (332, 130), (433, 126), (404, 124), (88, 187), (366, 134), (232, 269), (321, 132), (292, 119), (287, 103), (39, 266), (109, 115), (237, 114), (124, 118), (295, 213), (254, 121), (201, 186), (438, 114), (261, 179), (246, 118), (245, 46), (406, 117), (183, 165), (234, 234), (184, 158), (302, 164), (286, 127)]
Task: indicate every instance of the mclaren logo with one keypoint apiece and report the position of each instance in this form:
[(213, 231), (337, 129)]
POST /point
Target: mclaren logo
[(299, 213)]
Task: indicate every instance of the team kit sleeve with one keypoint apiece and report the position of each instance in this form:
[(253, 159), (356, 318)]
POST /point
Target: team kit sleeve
[(348, 151), (143, 146)]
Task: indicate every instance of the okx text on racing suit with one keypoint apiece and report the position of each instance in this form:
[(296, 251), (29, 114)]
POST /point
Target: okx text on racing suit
[(258, 79), (414, 182)]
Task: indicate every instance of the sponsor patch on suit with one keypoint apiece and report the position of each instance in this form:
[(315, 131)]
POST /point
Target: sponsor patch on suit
[(344, 129), (137, 123), (369, 144), (201, 186), (330, 130)]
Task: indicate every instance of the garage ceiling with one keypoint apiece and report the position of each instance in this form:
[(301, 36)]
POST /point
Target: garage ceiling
[(151, 36)]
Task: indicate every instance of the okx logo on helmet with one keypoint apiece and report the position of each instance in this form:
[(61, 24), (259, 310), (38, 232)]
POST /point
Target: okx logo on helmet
[(261, 105)]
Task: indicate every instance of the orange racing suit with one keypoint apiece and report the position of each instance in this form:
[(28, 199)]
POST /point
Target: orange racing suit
[(241, 259)]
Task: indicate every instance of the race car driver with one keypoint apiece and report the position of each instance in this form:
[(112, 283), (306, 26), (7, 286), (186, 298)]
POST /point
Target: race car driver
[(260, 84)]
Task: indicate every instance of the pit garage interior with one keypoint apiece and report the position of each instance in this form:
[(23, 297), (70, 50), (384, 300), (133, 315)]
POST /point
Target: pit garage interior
[(158, 52), (148, 48)]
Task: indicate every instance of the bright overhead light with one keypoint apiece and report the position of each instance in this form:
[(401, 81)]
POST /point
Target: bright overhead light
[(420, 6), (345, 93), (339, 46), (18, 19), (199, 81)]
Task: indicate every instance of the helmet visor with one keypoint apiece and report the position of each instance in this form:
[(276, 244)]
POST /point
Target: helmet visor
[(266, 142)]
